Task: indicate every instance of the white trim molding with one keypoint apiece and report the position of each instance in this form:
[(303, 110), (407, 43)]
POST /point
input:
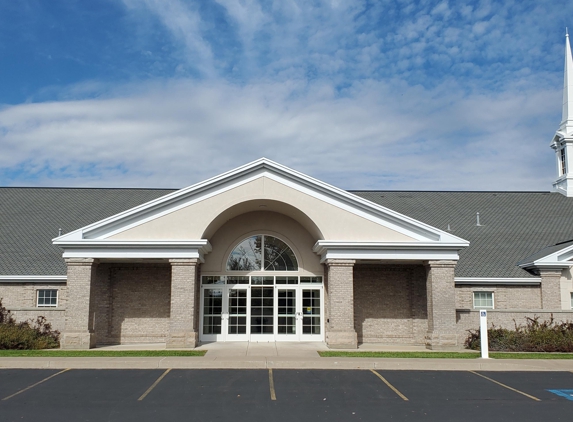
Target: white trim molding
[(557, 260), (33, 278), (334, 249), (488, 281), (121, 249)]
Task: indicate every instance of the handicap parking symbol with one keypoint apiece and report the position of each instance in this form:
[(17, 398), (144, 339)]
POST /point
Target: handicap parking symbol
[(568, 394)]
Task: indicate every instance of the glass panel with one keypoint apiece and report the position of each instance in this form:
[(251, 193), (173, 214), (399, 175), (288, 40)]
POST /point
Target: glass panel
[(286, 311), (210, 279), (278, 256), (262, 307), (246, 256), (287, 280), (233, 279), (212, 308), (258, 281), (311, 280), (311, 312), (237, 311)]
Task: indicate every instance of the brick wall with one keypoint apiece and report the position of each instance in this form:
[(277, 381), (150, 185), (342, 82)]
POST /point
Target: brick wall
[(504, 297), (132, 303), (21, 300), (183, 326), (390, 303)]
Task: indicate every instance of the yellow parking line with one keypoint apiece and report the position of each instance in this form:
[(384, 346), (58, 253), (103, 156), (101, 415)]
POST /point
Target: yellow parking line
[(506, 386), (272, 385), (402, 396), (33, 385), (154, 385)]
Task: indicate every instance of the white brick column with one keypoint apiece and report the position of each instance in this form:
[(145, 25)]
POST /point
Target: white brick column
[(550, 288), (182, 322), (340, 332), (79, 331), (441, 297)]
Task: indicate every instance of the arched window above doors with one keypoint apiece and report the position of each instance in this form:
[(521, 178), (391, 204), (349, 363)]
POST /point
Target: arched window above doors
[(262, 253)]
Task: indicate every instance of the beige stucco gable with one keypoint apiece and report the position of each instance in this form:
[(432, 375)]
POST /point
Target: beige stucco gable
[(194, 221)]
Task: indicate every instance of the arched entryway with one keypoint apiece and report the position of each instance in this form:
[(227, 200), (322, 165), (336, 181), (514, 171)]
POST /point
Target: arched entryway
[(262, 282)]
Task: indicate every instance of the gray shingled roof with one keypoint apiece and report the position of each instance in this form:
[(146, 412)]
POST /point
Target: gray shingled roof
[(30, 218), (514, 224)]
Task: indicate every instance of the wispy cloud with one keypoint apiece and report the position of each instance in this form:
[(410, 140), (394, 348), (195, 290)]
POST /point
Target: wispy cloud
[(184, 23), (378, 136)]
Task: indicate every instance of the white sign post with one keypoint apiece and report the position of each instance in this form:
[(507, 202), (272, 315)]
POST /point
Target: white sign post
[(483, 334)]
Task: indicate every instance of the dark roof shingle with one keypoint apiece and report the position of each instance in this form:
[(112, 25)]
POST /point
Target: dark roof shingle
[(30, 219), (514, 225)]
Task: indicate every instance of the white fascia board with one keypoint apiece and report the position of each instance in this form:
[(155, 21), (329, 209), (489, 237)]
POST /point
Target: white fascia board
[(135, 249), (518, 281), (33, 278), (388, 250), (557, 259), (548, 265), (244, 174)]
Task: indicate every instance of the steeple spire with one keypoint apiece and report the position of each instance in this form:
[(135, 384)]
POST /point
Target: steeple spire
[(567, 120), (563, 138)]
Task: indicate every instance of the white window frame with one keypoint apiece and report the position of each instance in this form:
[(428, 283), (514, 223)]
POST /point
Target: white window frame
[(478, 292), (38, 305), (571, 300), (263, 253)]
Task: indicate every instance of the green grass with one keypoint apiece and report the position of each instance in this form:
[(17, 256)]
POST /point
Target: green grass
[(527, 355), (99, 353), (444, 355)]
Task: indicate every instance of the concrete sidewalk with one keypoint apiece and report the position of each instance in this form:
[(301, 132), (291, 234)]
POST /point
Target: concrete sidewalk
[(282, 356)]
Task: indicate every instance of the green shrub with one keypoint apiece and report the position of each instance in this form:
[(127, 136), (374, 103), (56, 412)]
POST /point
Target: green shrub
[(534, 336), (26, 335)]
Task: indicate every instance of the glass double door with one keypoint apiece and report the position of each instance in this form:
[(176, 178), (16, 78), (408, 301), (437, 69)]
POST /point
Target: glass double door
[(261, 313)]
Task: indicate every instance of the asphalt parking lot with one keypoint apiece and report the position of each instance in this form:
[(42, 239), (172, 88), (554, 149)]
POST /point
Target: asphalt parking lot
[(283, 395)]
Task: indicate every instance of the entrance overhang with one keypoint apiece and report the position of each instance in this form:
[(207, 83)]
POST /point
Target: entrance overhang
[(135, 249), (328, 249)]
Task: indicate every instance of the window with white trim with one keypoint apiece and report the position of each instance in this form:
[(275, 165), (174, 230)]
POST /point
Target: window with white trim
[(47, 298), (262, 253), (483, 300), (571, 300)]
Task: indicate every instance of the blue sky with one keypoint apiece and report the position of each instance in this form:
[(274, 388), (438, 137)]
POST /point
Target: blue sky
[(428, 95)]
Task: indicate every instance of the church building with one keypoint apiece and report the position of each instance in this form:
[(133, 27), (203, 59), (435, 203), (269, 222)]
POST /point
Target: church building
[(264, 253)]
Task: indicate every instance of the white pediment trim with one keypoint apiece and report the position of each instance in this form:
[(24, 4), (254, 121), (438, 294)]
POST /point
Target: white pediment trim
[(559, 259), (260, 168)]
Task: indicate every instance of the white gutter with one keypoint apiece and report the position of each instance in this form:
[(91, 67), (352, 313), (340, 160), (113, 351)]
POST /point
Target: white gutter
[(33, 278)]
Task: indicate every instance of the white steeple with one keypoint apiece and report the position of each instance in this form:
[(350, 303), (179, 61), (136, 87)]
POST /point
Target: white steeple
[(567, 120), (563, 139)]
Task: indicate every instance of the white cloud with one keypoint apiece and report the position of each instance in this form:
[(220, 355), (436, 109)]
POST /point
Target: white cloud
[(378, 136)]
